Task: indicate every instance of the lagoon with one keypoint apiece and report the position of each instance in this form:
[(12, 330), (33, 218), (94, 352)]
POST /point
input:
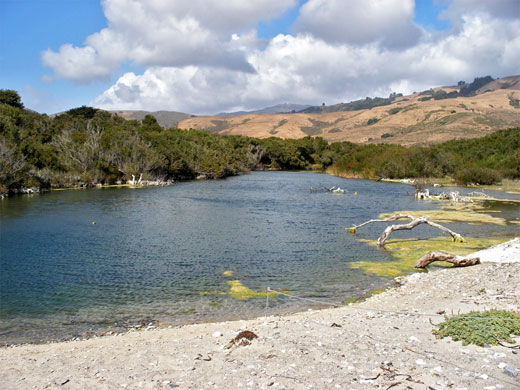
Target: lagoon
[(81, 262)]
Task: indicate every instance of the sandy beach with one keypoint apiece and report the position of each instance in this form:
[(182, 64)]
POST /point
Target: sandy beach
[(385, 342)]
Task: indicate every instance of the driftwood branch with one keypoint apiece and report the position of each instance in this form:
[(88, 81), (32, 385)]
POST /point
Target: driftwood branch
[(457, 261), (409, 226)]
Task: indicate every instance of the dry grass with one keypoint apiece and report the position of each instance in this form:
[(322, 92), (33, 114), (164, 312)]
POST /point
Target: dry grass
[(405, 122)]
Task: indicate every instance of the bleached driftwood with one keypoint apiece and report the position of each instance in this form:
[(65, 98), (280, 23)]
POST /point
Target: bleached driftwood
[(409, 226), (457, 261)]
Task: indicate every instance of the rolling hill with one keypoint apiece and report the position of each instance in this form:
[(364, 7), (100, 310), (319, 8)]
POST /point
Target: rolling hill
[(166, 119), (283, 108), (432, 116)]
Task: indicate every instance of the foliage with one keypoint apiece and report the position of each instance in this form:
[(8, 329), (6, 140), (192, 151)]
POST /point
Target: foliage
[(481, 328), (514, 102), (83, 112), (86, 146), (465, 90), (11, 98), (442, 94), (394, 110), (362, 104), (497, 154), (478, 82), (477, 175)]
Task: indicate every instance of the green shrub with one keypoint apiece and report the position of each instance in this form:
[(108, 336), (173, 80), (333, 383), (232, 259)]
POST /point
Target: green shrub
[(394, 110), (477, 175), (481, 328), (514, 102)]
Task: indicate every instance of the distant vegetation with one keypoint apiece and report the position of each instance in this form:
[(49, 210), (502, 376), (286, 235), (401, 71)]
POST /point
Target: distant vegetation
[(465, 90), (363, 104), (85, 147), (483, 160), (368, 103)]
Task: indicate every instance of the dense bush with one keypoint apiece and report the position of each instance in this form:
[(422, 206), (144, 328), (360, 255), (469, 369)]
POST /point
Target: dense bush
[(477, 175)]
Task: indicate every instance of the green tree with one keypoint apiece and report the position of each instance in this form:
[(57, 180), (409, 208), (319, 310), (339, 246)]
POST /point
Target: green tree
[(10, 97)]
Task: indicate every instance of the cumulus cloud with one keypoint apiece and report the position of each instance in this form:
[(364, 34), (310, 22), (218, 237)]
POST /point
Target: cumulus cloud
[(388, 22), (502, 9), (164, 33), (204, 56), (305, 68), (188, 89)]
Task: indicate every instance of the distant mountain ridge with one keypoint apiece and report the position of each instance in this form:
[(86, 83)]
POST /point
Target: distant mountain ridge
[(466, 110), (277, 109), (166, 119)]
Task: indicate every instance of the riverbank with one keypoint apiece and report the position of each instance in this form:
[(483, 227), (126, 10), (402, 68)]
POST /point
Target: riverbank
[(384, 342)]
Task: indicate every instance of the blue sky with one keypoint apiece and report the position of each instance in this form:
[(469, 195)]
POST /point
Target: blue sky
[(242, 53)]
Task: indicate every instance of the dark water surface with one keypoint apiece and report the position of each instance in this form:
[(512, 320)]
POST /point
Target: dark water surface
[(153, 252)]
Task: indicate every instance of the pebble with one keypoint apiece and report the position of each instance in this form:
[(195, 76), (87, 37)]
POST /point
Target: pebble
[(217, 334), (420, 362), (510, 371)]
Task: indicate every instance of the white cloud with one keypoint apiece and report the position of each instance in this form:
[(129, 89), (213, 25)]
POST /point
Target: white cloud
[(388, 22), (204, 56), (304, 68), (188, 89), (164, 33), (501, 9)]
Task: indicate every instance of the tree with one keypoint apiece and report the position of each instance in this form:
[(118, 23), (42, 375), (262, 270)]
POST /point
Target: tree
[(10, 97), (11, 164), (83, 112)]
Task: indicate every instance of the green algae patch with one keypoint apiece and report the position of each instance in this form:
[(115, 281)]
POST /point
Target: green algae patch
[(406, 252), (227, 274), (241, 292), (455, 213)]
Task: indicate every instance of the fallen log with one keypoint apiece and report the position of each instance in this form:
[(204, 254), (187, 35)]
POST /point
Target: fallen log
[(409, 226), (457, 261)]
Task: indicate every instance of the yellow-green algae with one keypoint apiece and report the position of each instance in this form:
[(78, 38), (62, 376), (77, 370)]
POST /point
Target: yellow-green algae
[(240, 292), (408, 251), (227, 273), (455, 213)]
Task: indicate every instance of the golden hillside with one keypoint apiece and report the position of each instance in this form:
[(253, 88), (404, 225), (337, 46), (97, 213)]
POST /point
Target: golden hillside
[(407, 121)]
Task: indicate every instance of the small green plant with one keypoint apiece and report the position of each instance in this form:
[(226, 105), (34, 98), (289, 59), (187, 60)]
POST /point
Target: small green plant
[(394, 110), (514, 101), (481, 328)]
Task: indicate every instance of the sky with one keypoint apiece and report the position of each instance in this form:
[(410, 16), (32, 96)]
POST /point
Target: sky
[(209, 56)]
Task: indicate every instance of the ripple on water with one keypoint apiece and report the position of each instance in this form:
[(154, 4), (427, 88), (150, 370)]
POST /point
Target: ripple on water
[(153, 251)]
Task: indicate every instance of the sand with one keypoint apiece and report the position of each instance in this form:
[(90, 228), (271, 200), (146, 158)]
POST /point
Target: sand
[(384, 342)]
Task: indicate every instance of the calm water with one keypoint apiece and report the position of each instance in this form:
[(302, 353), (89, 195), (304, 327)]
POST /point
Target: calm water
[(153, 252)]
